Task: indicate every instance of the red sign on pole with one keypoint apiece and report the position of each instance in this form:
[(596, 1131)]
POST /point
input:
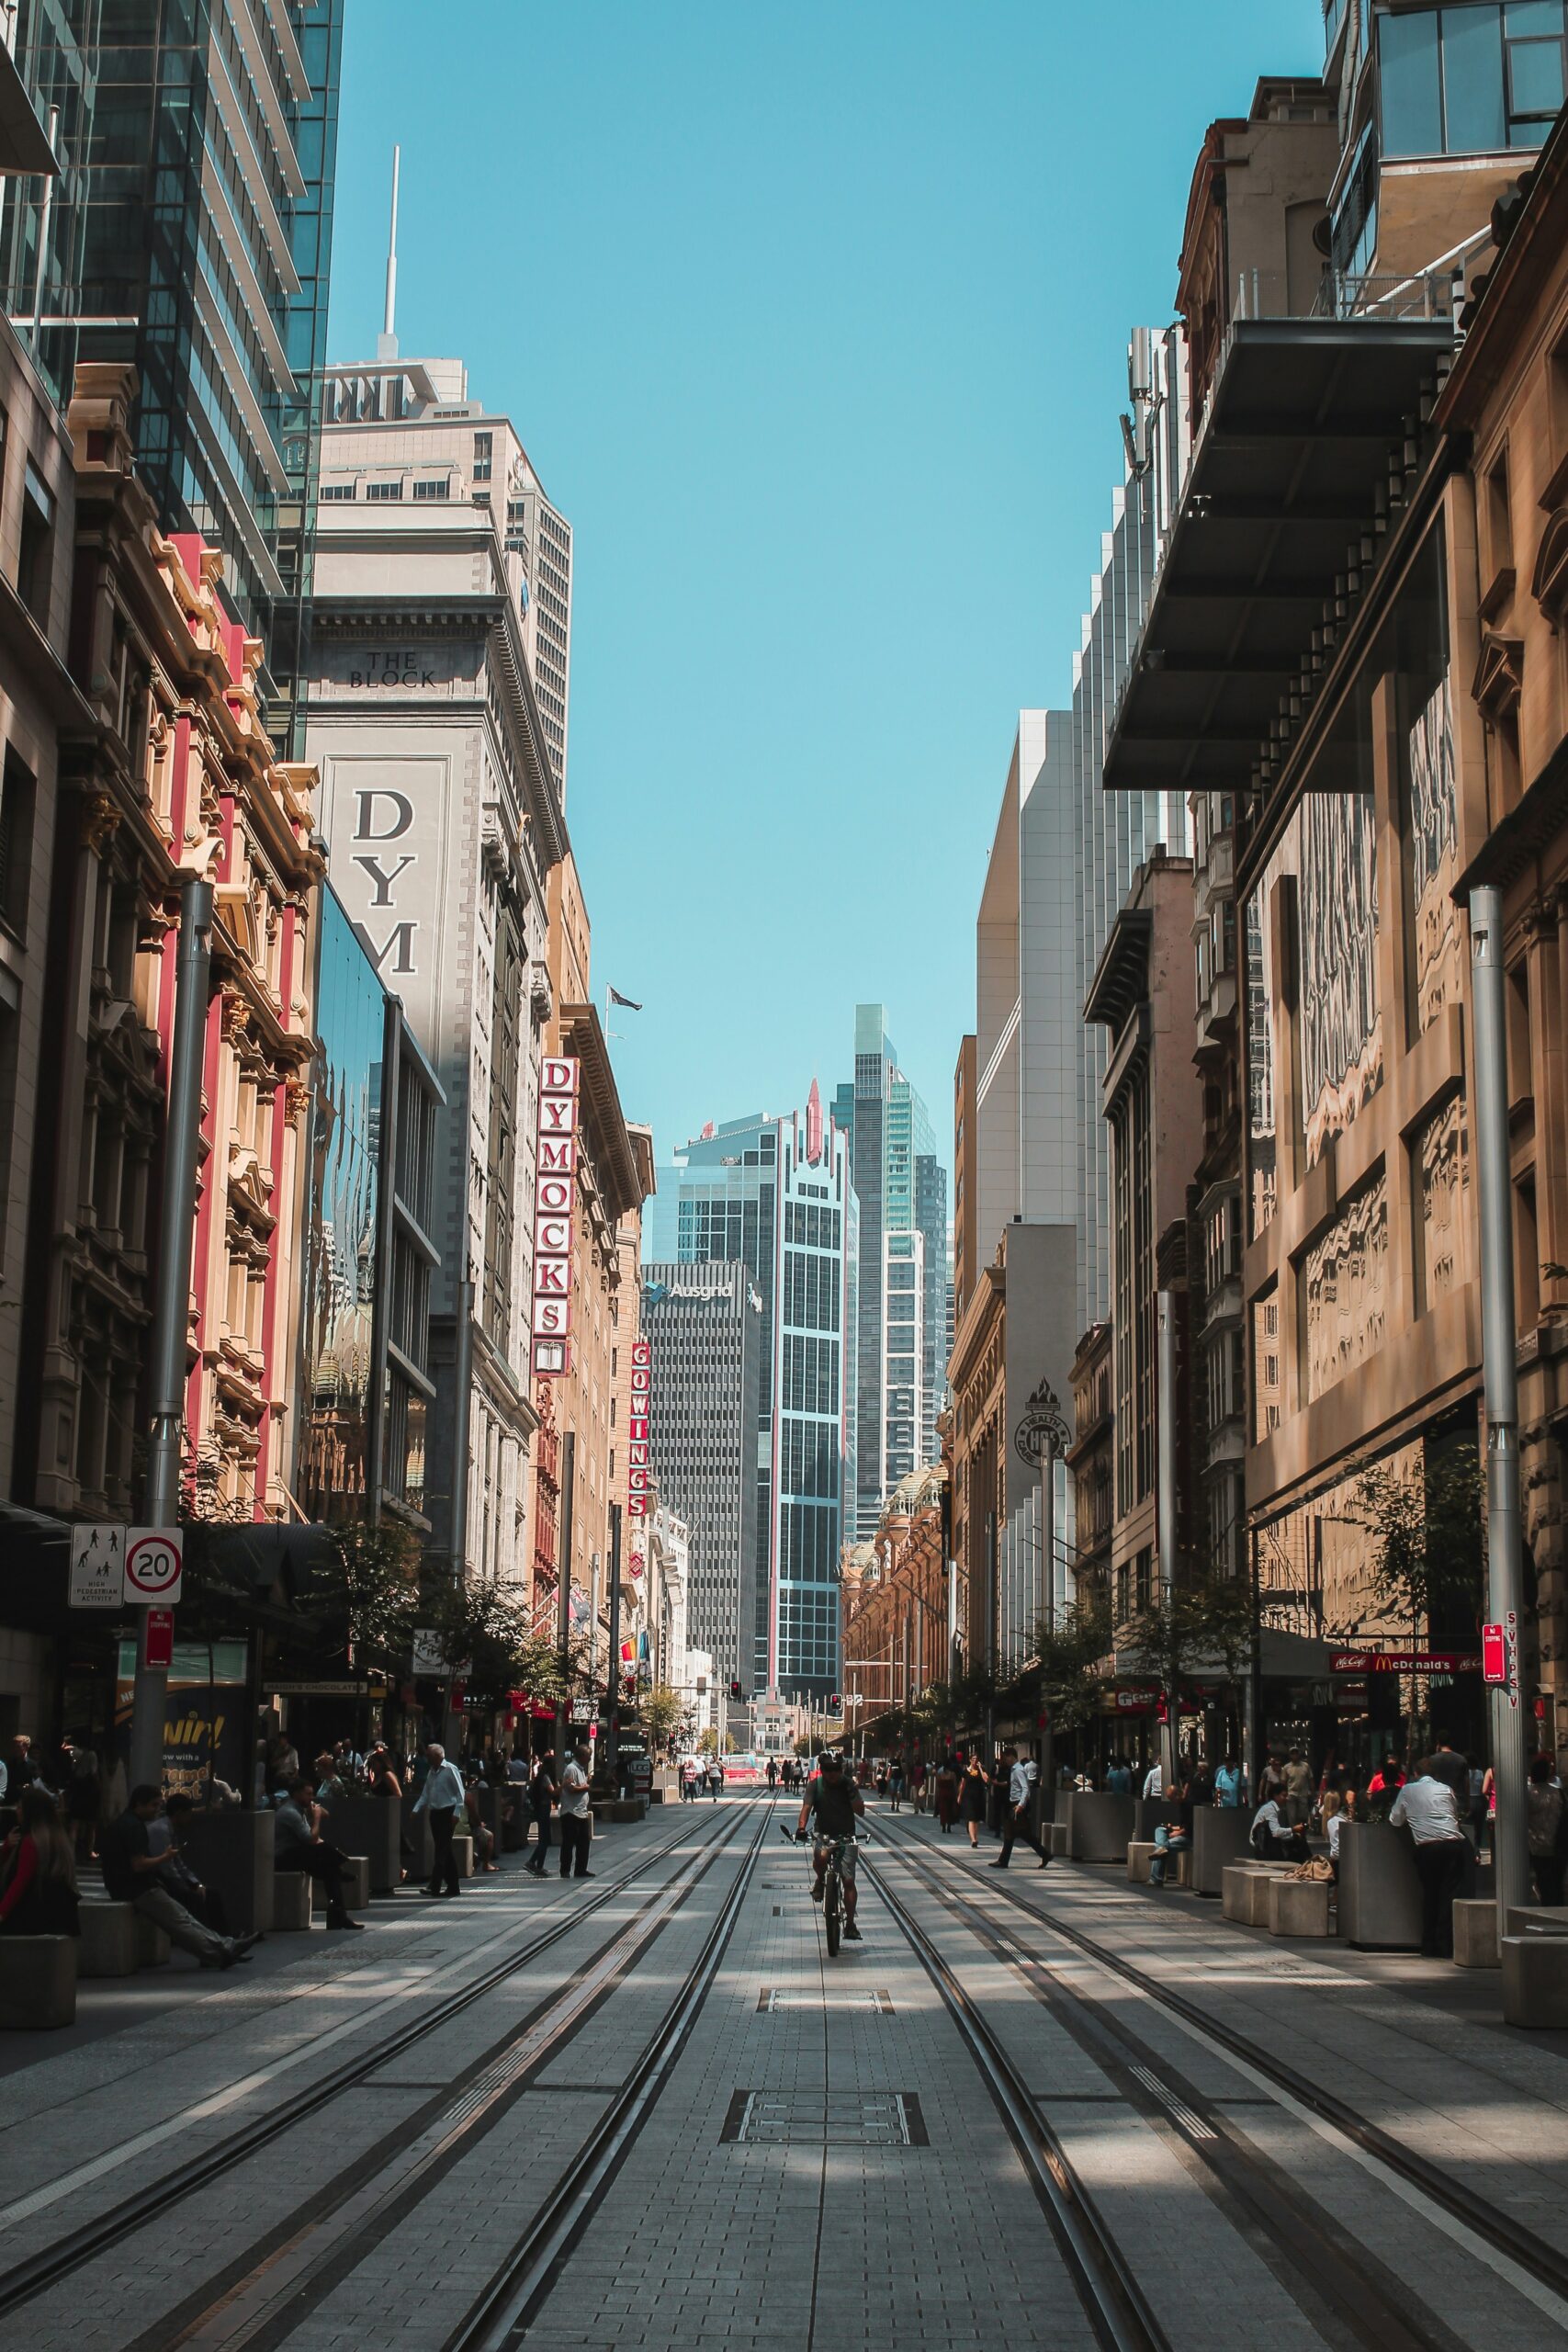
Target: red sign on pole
[(1493, 1654), (158, 1639)]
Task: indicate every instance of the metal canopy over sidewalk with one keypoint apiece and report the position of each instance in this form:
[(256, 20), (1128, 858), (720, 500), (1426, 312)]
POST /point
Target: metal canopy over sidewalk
[(1284, 479)]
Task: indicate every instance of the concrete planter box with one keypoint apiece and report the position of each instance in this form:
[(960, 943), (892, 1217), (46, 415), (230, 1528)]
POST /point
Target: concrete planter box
[(356, 1881), (1380, 1895), (1299, 1907), (291, 1903), (154, 1948), (232, 1853), (1475, 1934), (1149, 1814), (1054, 1838), (370, 1825), (463, 1855), (1535, 1981), (1535, 1919), (416, 1829), (38, 1983), (1098, 1827), (1239, 1897), (108, 1946), (1220, 1836)]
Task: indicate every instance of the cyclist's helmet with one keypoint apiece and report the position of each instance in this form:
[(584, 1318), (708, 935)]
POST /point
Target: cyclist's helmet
[(829, 1760)]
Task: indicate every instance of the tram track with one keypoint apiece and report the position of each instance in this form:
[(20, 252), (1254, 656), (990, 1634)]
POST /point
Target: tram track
[(47, 2269), (1114, 2302), (1486, 2225)]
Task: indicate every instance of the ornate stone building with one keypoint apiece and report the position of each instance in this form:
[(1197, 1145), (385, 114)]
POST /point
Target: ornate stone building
[(175, 779), (894, 1607)]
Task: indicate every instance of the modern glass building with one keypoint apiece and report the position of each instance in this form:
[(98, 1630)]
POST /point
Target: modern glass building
[(190, 234), (903, 1334), (775, 1193)]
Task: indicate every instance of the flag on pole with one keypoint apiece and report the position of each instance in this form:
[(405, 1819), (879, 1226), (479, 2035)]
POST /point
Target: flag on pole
[(625, 1001)]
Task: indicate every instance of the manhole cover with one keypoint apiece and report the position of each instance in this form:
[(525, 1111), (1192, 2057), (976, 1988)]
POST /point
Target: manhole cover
[(842, 2119)]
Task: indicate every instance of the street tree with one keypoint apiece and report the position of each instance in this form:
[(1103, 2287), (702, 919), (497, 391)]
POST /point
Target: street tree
[(1426, 1527), (661, 1709)]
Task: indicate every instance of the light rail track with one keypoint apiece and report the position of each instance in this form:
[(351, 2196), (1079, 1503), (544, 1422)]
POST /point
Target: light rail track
[(22, 2282), (1482, 2222)]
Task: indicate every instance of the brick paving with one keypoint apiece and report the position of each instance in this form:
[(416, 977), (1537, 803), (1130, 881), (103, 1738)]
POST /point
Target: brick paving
[(772, 2198)]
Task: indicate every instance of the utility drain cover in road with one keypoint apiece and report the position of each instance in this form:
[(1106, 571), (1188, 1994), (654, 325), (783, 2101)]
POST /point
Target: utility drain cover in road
[(781, 1996), (843, 2119)]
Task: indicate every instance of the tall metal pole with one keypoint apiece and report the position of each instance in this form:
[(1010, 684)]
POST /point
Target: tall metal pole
[(1166, 1517), (613, 1728), (170, 1314), (563, 1592), (1499, 1328)]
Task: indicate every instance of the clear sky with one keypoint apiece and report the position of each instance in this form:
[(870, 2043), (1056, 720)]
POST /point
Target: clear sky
[(812, 316)]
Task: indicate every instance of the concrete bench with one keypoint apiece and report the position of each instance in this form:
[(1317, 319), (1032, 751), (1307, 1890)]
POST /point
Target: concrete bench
[(1535, 1919), (1054, 1838), (38, 1983), (463, 1855), (1476, 1933), (108, 1940), (1535, 1981), (355, 1877), (1298, 1906), (1141, 1852), (291, 1903), (154, 1948), (1245, 1895)]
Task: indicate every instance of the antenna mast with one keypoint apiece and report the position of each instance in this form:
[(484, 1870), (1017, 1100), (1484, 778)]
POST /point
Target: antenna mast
[(386, 341)]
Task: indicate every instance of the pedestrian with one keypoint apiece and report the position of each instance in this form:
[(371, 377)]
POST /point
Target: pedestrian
[(1023, 1774), (331, 1785), (131, 1875), (576, 1819), (1229, 1785), (542, 1794), (442, 1798), (1349, 1810), (1119, 1779), (282, 1764), (84, 1800), (299, 1847), (972, 1800), (1298, 1788), (944, 1793), (1547, 1828), (1154, 1779), (479, 1830), (715, 1778), (772, 1776), (1429, 1810), (175, 1873), (1271, 1779), (895, 1783), (1386, 1784), (37, 1870), (1477, 1799)]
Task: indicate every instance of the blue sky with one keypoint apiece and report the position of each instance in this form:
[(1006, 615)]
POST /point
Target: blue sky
[(812, 315)]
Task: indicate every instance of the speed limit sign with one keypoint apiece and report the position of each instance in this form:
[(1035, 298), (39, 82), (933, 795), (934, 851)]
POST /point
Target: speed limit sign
[(154, 1558)]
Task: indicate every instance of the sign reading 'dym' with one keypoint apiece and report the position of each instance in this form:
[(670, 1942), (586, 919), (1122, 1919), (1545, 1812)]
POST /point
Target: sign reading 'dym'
[(555, 1190), (638, 1475)]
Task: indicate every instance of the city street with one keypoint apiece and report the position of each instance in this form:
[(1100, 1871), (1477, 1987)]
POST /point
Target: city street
[(647, 2109)]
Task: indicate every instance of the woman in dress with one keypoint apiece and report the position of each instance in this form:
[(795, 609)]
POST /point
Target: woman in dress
[(944, 1789), (972, 1788)]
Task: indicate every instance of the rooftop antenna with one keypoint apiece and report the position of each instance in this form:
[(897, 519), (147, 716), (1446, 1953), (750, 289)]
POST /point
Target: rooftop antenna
[(386, 341)]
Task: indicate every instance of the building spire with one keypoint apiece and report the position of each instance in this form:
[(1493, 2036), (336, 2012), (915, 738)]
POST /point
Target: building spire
[(386, 341)]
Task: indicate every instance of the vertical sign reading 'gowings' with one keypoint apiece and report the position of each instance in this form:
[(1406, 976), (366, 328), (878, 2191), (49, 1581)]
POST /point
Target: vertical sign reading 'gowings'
[(553, 1205), (638, 1476)]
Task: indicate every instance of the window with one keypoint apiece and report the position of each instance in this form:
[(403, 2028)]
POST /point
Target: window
[(384, 490), (1499, 518), (334, 493), (35, 565), (1471, 79), (441, 488), (15, 841), (483, 457)]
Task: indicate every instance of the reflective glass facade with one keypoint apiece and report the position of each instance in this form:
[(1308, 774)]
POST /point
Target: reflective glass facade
[(191, 234)]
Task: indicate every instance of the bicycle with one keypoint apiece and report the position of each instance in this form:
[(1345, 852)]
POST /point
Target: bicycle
[(832, 1883)]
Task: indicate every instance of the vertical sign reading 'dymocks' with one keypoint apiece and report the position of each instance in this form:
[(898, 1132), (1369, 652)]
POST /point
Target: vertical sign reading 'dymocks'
[(638, 1475), (553, 1201)]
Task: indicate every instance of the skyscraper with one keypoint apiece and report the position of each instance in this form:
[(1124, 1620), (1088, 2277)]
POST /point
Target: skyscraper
[(704, 1323), (190, 232), (902, 1323), (776, 1194)]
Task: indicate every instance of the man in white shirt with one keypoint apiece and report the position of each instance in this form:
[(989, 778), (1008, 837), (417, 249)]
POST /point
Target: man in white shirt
[(1016, 1824), (576, 1820), (441, 1797), (1275, 1836), (1154, 1779), (1429, 1810)]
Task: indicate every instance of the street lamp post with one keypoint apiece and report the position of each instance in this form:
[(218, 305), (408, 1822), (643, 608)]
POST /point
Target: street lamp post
[(1040, 1440)]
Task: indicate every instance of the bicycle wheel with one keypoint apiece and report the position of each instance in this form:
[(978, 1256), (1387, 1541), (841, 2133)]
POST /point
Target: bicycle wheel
[(830, 1914)]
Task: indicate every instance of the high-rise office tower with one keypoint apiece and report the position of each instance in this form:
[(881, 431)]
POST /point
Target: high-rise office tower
[(703, 1325), (776, 1194), (902, 1333), (190, 232)]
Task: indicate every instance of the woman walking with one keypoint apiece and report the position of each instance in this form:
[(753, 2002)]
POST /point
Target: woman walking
[(971, 1801), (944, 1790)]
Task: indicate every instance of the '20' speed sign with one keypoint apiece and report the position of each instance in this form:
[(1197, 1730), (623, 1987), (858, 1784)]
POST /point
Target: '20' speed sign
[(154, 1559)]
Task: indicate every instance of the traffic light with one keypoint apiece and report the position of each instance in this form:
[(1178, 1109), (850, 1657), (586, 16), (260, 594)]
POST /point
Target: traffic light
[(835, 1702), (734, 1690)]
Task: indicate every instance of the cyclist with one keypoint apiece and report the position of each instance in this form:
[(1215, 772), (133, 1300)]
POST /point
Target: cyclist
[(833, 1798)]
